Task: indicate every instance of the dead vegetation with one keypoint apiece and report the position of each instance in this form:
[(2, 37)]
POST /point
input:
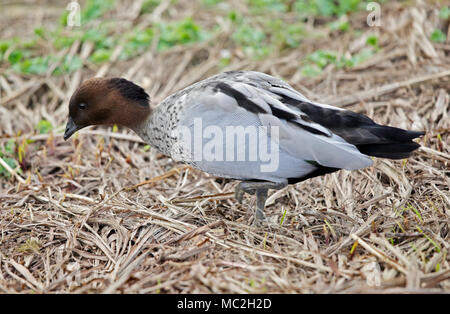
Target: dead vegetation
[(77, 219)]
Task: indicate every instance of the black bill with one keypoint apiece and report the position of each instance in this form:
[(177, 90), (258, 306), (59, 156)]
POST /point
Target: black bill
[(71, 128)]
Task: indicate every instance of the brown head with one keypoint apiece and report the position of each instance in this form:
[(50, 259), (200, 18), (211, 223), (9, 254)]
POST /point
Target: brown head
[(107, 101)]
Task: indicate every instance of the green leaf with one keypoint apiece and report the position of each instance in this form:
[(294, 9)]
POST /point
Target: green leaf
[(346, 6), (36, 65), (179, 33), (10, 147), (138, 41), (445, 13), (69, 65), (234, 16), (63, 18), (44, 126), (252, 40), (322, 58), (372, 40), (326, 7), (362, 56), (4, 45), (40, 32), (305, 8), (100, 55), (29, 44), (261, 6), (310, 70), (438, 36), (149, 5), (95, 8), (11, 163), (94, 35), (61, 41), (437, 247), (284, 35), (341, 24), (15, 56), (283, 217)]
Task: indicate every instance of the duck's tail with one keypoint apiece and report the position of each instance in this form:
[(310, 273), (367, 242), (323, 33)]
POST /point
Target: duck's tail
[(370, 138), (390, 142)]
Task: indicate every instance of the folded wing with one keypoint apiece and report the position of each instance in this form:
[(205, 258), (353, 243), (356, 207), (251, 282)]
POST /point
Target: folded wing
[(263, 96)]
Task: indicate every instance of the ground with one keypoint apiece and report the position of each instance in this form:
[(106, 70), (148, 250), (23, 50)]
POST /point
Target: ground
[(104, 212)]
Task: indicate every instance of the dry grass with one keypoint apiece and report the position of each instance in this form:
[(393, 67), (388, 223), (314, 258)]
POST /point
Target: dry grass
[(74, 221)]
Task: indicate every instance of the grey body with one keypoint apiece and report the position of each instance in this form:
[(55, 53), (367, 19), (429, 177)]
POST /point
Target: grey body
[(301, 151)]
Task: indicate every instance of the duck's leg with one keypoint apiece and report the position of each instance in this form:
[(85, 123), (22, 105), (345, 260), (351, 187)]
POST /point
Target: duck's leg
[(260, 189)]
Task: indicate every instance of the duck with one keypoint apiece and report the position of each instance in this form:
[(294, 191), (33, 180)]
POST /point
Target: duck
[(243, 125)]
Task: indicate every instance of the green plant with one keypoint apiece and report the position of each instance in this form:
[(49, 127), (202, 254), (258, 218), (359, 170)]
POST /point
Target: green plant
[(137, 42), (252, 41), (149, 5), (318, 60), (169, 35), (328, 7), (283, 35), (340, 24), (259, 6), (95, 8), (44, 126), (438, 36), (445, 13), (7, 154), (101, 55), (210, 2), (372, 40), (61, 39), (283, 217), (179, 33)]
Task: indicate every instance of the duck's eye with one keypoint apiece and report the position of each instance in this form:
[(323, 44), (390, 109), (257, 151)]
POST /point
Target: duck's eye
[(82, 106)]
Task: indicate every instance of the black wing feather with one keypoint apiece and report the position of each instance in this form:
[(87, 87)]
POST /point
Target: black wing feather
[(249, 105), (369, 137)]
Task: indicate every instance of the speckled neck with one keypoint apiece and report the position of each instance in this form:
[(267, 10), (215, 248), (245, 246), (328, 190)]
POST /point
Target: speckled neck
[(158, 128)]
